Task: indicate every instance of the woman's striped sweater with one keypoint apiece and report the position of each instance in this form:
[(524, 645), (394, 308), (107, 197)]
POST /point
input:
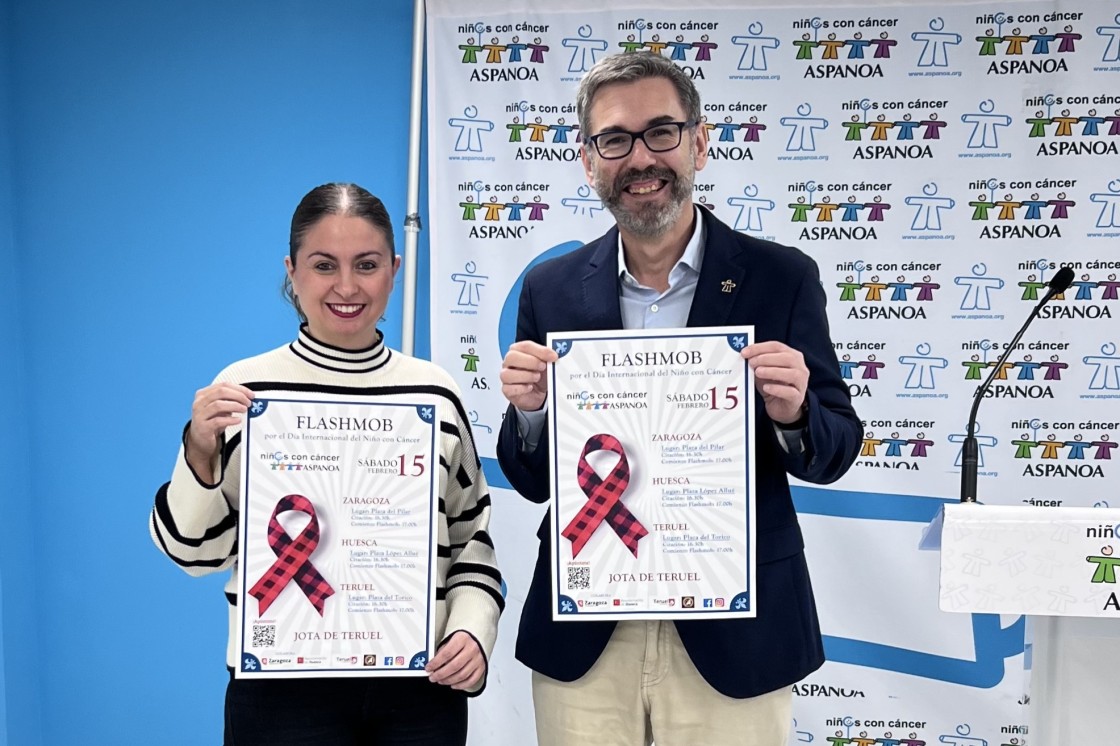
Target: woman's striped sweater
[(195, 524)]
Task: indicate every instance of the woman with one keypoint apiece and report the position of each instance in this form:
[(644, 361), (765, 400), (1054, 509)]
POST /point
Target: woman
[(340, 271)]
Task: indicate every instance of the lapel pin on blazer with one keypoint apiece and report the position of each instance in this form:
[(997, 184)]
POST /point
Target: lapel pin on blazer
[(727, 286)]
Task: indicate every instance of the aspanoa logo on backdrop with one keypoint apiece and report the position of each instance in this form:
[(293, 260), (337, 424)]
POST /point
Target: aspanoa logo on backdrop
[(1006, 210), (543, 132), (1073, 125), (876, 295), (911, 125), (1028, 373), (838, 211), (1017, 44), (1059, 448), (502, 210), (834, 48), (685, 42), (503, 52), (1091, 295)]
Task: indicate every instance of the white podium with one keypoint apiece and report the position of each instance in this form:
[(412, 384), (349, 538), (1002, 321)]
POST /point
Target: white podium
[(1060, 567)]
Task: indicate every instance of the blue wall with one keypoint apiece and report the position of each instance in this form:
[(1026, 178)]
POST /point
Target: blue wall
[(155, 152), (19, 682)]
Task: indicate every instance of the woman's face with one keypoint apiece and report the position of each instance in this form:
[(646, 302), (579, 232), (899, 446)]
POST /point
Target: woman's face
[(343, 275)]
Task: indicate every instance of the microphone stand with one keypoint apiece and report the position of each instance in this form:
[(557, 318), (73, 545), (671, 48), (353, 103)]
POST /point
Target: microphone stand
[(970, 453)]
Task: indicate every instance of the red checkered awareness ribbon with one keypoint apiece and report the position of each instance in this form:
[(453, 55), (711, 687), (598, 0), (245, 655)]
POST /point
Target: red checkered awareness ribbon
[(293, 558), (604, 499)]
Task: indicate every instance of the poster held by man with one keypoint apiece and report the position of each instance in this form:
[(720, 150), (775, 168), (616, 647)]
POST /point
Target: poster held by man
[(652, 474)]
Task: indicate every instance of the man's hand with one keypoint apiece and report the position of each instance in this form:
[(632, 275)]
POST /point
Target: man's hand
[(781, 376), (524, 383)]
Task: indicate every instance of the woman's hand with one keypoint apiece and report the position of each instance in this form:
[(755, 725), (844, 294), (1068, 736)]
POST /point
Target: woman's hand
[(459, 663), (216, 407)]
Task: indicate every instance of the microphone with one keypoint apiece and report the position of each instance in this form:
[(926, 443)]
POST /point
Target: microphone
[(1059, 283), (970, 454)]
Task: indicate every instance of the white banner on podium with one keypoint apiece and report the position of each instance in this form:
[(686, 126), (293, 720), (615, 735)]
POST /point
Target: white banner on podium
[(1024, 560)]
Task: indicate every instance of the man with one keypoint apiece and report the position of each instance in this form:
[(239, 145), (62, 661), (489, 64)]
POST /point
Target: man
[(670, 264)]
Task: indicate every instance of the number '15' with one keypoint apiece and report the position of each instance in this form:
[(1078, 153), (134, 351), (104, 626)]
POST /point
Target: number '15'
[(730, 400), (417, 466)]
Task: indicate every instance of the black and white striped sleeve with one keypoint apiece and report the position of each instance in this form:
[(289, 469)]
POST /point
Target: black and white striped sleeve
[(194, 523), (474, 583)]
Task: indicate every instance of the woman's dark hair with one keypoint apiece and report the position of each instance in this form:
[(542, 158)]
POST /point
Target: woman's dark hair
[(348, 200)]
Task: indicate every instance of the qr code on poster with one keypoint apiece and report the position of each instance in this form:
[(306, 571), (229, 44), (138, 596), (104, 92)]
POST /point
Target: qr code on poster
[(264, 635), (579, 578)]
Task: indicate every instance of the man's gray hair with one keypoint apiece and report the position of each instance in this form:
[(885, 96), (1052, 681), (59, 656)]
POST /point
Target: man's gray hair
[(629, 67)]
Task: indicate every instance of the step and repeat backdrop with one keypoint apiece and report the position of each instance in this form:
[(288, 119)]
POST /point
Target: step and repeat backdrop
[(939, 162)]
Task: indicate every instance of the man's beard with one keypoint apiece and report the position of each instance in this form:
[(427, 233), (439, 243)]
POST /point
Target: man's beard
[(648, 220)]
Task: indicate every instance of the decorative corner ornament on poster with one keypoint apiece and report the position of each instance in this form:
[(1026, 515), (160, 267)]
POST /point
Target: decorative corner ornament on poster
[(651, 442), (337, 538)]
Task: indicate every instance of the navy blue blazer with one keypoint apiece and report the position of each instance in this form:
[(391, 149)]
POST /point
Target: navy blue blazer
[(778, 290)]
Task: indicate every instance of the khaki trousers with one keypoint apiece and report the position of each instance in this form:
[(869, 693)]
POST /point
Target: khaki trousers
[(644, 688)]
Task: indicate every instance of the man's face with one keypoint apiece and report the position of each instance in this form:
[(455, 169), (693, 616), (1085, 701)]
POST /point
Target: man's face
[(647, 192)]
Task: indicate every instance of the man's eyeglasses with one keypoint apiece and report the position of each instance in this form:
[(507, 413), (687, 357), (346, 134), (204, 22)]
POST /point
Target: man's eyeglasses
[(658, 138)]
